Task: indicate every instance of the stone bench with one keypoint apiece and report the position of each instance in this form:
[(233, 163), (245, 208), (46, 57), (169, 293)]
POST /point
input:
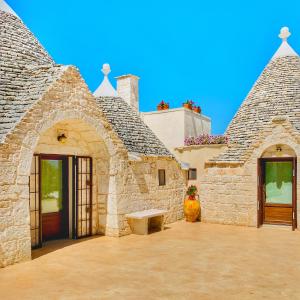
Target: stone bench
[(141, 221)]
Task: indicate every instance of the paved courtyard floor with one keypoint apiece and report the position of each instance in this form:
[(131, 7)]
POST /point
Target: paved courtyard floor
[(186, 261)]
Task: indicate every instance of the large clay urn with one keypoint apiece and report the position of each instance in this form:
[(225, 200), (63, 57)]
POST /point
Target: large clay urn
[(191, 209), (191, 205)]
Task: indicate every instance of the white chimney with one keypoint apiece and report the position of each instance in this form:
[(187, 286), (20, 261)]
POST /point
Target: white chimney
[(128, 89)]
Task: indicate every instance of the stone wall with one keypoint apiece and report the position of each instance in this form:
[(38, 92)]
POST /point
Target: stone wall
[(196, 156), (121, 186), (229, 190), (138, 189), (128, 89)]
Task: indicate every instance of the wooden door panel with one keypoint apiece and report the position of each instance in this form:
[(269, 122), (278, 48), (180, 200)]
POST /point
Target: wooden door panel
[(278, 214), (52, 224)]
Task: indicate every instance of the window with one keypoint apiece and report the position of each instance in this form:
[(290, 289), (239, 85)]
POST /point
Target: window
[(192, 174), (161, 177)]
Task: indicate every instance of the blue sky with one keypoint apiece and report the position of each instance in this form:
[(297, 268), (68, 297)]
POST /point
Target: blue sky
[(208, 51)]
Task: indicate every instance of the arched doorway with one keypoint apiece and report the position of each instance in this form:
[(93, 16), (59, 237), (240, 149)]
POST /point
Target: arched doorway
[(277, 172), (68, 183)]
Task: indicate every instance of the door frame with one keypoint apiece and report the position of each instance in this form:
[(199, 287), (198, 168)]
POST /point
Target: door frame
[(75, 212), (65, 183), (260, 185), (71, 177)]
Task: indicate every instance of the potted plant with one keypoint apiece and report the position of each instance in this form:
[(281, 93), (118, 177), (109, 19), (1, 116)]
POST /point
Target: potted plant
[(188, 104), (197, 109), (163, 105), (191, 204)]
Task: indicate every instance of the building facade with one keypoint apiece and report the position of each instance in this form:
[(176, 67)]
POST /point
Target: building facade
[(173, 126), (254, 181), (71, 164)]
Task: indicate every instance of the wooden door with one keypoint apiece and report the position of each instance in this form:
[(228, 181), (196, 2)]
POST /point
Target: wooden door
[(54, 196), (277, 191)]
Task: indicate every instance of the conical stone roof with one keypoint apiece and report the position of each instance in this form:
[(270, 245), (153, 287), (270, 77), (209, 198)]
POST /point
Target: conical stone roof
[(26, 70), (275, 93), (18, 46)]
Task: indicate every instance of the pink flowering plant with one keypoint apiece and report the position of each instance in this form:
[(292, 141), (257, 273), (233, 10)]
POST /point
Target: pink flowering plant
[(206, 139)]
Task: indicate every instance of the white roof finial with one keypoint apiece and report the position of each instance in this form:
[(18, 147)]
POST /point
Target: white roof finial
[(284, 33), (285, 49), (106, 69), (105, 89)]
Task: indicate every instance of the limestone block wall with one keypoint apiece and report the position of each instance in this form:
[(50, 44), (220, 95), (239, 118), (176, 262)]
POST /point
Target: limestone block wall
[(228, 194), (229, 189), (196, 156), (128, 89), (138, 189)]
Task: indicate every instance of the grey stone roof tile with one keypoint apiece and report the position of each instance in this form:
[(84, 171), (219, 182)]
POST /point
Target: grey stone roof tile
[(135, 134), (26, 70), (275, 93)]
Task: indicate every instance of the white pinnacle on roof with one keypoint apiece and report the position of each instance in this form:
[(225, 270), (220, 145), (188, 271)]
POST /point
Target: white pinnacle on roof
[(285, 49), (5, 7), (105, 89)]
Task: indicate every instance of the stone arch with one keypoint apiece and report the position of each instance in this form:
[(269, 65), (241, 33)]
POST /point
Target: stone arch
[(275, 134), (32, 136), (100, 137), (82, 140), (278, 150)]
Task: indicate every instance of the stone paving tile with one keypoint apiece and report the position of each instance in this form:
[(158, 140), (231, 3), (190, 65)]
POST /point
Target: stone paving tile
[(186, 261)]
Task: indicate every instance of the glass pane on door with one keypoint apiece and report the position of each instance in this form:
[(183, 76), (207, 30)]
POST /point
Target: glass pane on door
[(51, 186), (279, 182)]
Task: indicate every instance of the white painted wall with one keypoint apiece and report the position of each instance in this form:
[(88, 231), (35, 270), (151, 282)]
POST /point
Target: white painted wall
[(196, 124), (172, 126)]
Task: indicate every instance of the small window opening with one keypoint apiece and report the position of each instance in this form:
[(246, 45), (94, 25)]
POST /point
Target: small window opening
[(161, 177), (192, 174)]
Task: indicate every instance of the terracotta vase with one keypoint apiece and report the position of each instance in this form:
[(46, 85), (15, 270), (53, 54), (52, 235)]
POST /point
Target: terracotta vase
[(159, 107), (197, 110), (191, 209), (188, 106)]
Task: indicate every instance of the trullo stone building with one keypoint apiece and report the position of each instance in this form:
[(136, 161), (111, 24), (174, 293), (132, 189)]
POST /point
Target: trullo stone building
[(71, 164), (254, 181)]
